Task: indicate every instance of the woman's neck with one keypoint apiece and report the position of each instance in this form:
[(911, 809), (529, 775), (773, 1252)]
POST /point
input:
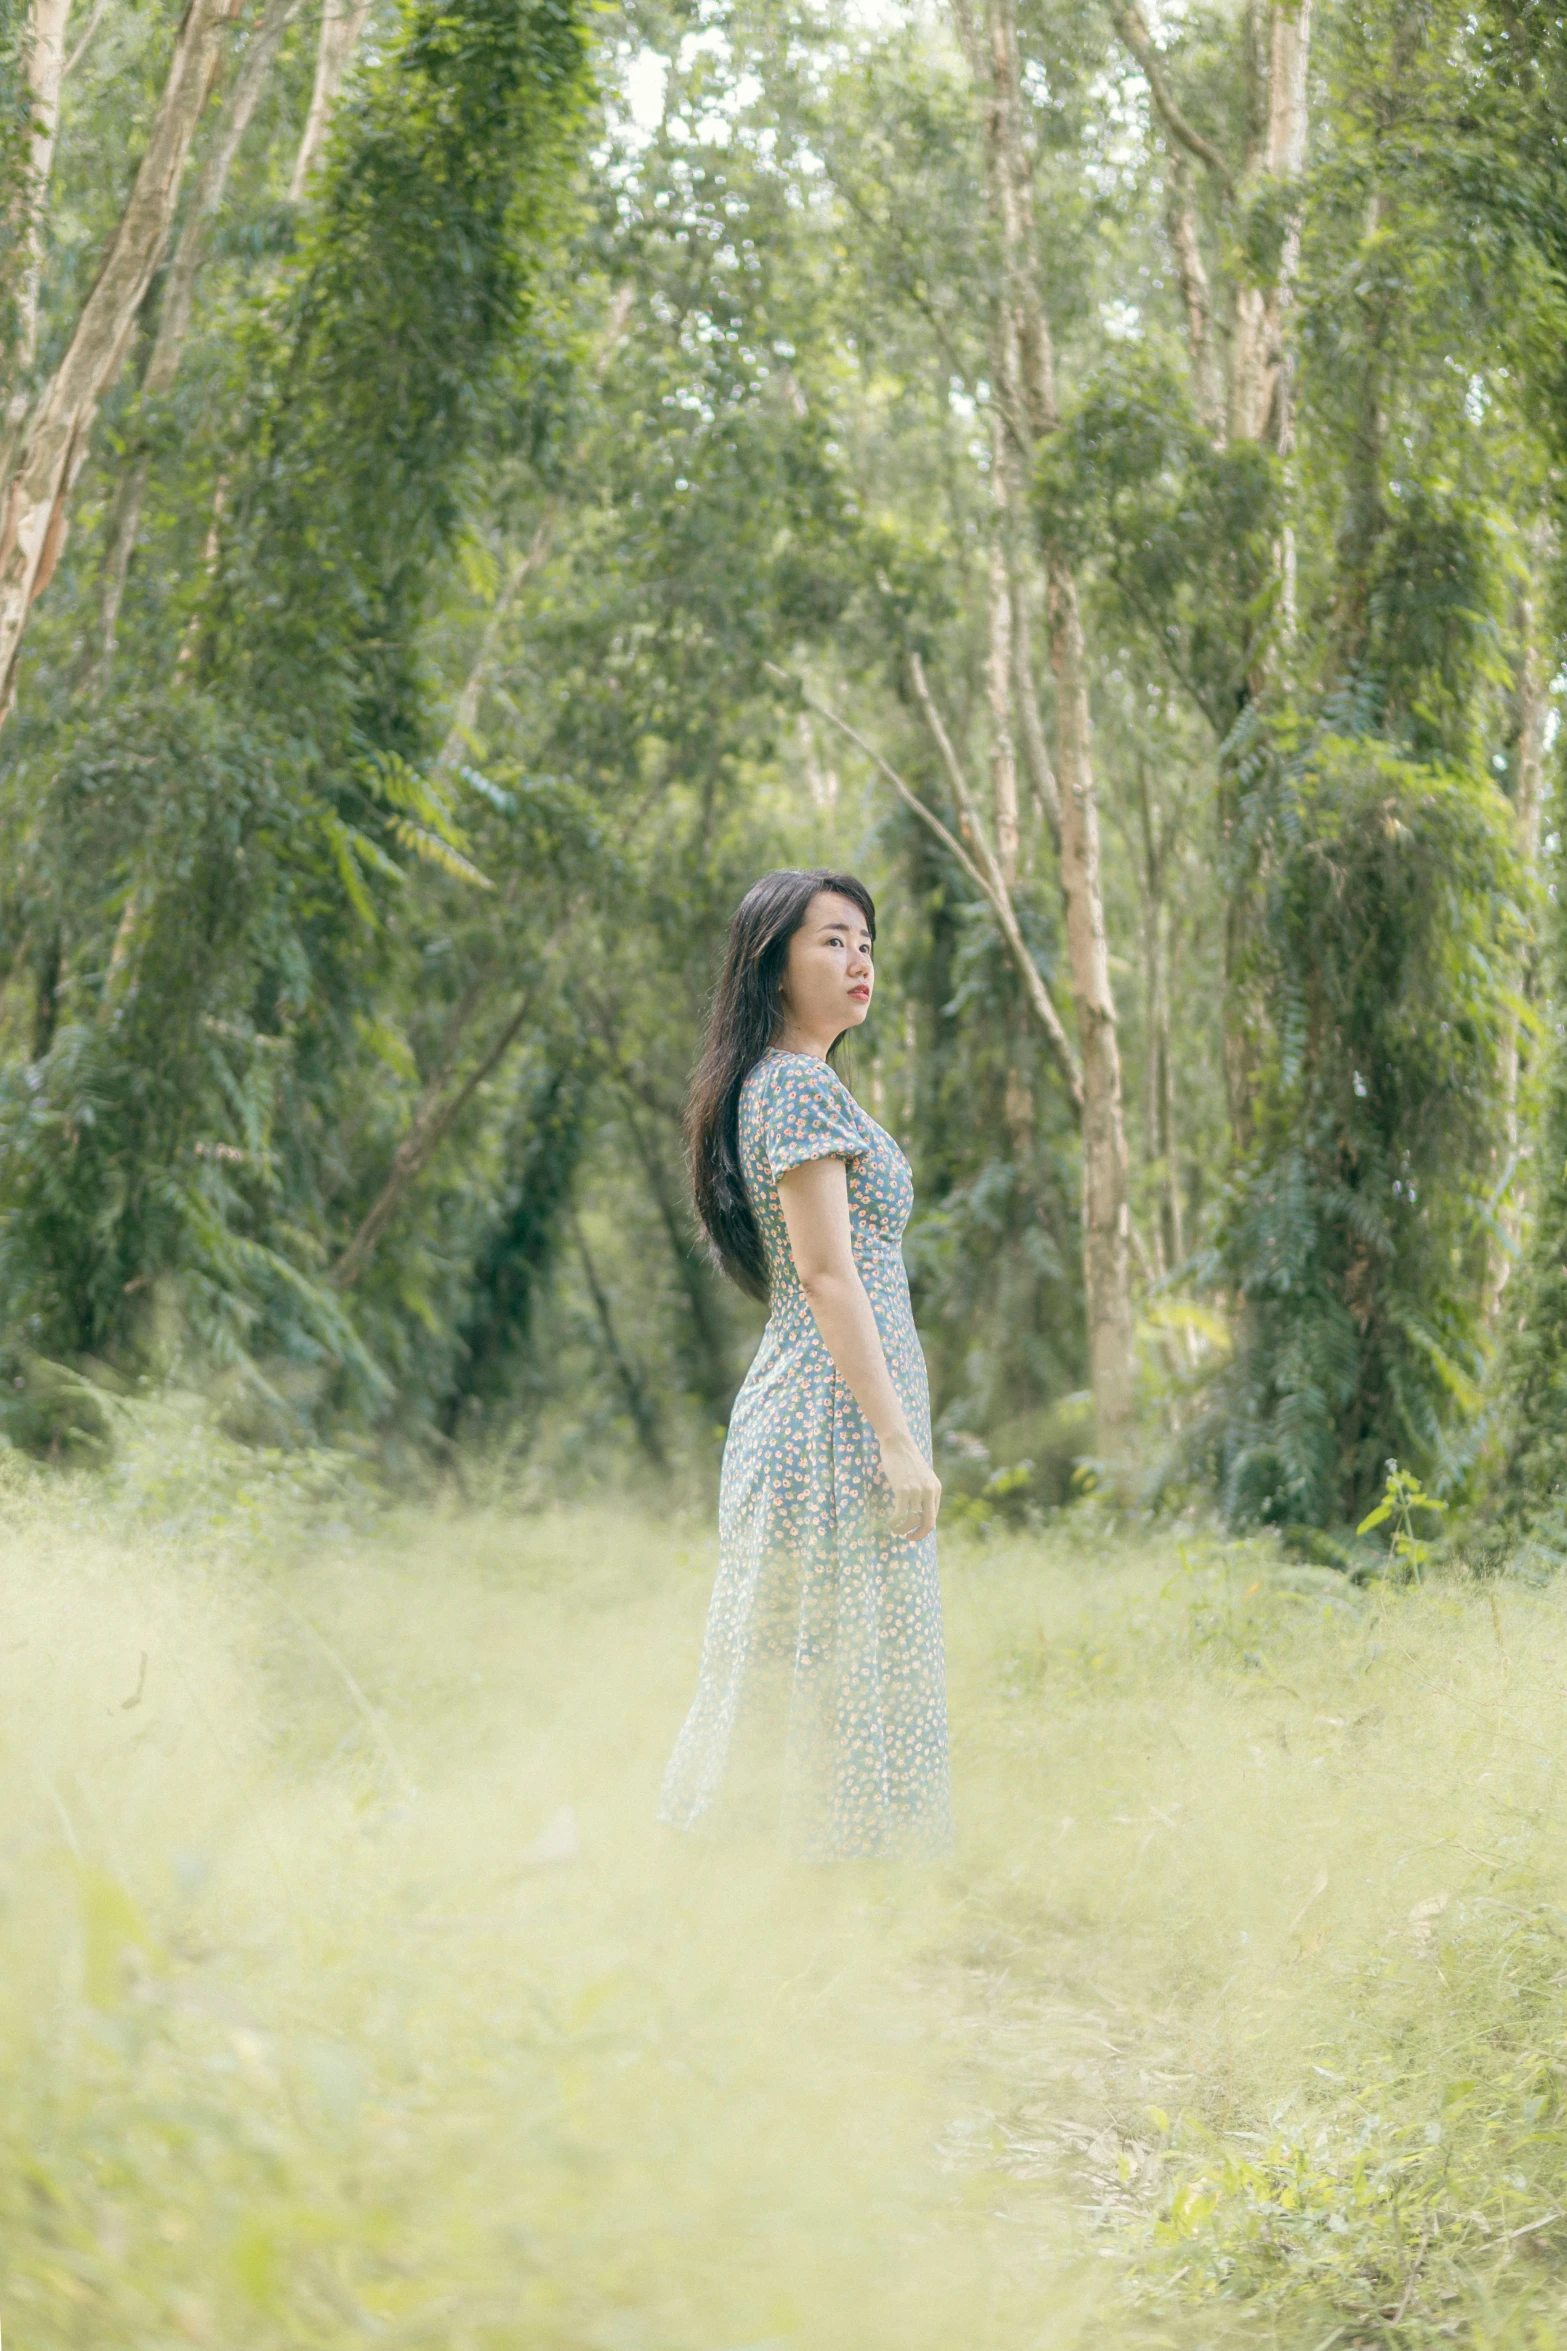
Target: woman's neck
[(792, 1041)]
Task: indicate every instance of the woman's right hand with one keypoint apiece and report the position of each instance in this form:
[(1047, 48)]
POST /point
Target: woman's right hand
[(916, 1489)]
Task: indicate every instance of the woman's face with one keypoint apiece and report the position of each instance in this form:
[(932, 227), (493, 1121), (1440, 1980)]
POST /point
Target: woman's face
[(828, 978)]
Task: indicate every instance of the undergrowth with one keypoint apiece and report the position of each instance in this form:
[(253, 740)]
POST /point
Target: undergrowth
[(346, 1990)]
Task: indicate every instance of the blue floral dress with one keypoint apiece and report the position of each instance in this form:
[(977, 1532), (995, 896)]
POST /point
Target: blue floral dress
[(821, 1706)]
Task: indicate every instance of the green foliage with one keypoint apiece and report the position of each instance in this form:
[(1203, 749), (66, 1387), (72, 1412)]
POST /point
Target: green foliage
[(368, 379), (141, 1143), (992, 1246), (1351, 1240), (204, 872), (540, 1154), (1262, 230), (1402, 1496), (565, 428), (52, 1412), (1530, 1496), (1360, 600), (1184, 531), (1507, 168), (1269, 1993), (1434, 639), (15, 144)]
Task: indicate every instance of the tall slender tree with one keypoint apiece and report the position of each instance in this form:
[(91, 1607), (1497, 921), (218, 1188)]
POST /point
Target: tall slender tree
[(53, 433), (1028, 414)]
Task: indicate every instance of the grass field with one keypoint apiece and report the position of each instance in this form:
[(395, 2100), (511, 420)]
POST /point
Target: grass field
[(348, 1994)]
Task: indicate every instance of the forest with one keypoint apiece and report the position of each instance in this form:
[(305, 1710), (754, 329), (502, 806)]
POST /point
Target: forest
[(482, 481), (481, 487)]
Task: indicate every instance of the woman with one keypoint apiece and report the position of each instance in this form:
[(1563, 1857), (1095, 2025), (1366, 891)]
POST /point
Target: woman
[(821, 1705)]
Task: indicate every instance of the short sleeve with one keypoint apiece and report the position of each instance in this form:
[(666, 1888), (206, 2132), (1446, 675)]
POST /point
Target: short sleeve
[(808, 1114)]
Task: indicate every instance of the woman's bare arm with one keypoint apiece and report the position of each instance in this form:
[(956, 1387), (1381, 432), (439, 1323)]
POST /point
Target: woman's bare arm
[(815, 1203)]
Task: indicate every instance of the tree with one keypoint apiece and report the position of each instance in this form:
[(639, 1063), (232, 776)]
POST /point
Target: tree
[(251, 814), (50, 442), (1054, 403), (1028, 413)]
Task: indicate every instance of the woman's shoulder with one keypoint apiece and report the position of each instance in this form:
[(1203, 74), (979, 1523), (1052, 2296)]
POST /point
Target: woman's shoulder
[(798, 1077)]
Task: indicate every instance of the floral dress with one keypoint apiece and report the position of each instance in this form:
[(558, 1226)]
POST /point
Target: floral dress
[(820, 1710)]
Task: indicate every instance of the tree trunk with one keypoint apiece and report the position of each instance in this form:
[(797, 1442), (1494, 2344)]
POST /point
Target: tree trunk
[(1026, 394), (1106, 1209), (999, 664), (707, 1353), (211, 187), (1261, 403), (1256, 401), (178, 302), (1036, 757), (49, 979), (1261, 408), (1152, 855), (1532, 703), (1197, 295), (45, 72), (53, 439), (1159, 1094), (639, 1404), (342, 22)]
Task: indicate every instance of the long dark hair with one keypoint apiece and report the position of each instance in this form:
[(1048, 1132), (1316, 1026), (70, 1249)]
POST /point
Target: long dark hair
[(746, 1017)]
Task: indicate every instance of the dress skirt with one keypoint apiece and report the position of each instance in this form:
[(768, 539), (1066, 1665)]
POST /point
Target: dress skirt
[(820, 1711)]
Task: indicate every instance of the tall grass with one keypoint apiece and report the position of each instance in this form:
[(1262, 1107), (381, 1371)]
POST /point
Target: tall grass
[(346, 1991)]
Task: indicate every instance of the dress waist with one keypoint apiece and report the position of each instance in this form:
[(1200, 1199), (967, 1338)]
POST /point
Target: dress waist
[(791, 1329)]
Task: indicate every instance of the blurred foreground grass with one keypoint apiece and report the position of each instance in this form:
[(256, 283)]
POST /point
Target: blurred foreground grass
[(347, 1993)]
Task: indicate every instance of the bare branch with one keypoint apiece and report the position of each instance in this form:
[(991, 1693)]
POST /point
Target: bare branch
[(905, 792), (998, 892), (433, 1119), (210, 189), (1133, 28), (342, 22), (989, 883), (1036, 755), (175, 315), (460, 731), (88, 30), (993, 882)]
